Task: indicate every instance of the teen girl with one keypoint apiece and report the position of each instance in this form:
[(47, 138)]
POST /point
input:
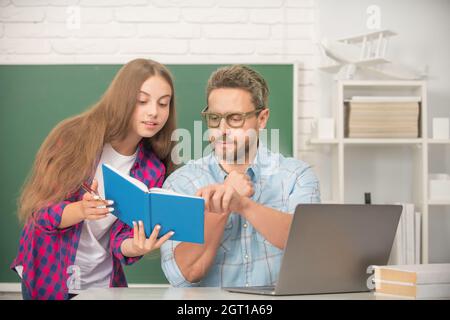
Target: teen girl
[(70, 240)]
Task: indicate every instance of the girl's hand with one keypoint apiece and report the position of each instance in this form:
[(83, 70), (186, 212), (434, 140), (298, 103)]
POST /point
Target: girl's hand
[(140, 245), (91, 208)]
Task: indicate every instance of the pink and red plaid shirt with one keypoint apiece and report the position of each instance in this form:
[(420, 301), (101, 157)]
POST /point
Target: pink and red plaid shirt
[(46, 252)]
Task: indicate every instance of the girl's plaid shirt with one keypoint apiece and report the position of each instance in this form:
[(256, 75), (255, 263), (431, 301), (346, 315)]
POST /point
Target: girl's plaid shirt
[(47, 253)]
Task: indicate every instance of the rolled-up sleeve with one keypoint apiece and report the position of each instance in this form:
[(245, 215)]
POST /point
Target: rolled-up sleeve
[(120, 232), (170, 267), (49, 218), (179, 183), (305, 190)]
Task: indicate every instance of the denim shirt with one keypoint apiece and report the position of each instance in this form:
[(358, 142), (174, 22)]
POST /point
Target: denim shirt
[(244, 257)]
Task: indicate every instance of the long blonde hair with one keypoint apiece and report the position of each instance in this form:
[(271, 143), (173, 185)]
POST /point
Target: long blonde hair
[(69, 154)]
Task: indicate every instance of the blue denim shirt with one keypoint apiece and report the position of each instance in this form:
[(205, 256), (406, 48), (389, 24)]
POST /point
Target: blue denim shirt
[(244, 257)]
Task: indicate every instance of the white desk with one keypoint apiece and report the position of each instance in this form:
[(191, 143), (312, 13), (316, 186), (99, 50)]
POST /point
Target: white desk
[(170, 293)]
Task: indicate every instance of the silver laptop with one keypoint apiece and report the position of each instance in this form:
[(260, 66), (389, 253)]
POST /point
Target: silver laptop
[(330, 247)]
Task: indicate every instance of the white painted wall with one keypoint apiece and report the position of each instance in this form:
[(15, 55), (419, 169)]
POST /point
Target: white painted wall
[(236, 31), (169, 31), (423, 40)]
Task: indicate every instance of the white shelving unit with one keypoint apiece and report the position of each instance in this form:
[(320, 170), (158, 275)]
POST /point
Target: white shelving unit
[(338, 146)]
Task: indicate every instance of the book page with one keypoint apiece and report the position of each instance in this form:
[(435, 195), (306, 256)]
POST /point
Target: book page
[(134, 181), (161, 190), (170, 192)]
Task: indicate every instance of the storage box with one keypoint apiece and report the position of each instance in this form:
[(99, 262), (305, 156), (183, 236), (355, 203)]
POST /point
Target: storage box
[(441, 128), (325, 128), (439, 187)]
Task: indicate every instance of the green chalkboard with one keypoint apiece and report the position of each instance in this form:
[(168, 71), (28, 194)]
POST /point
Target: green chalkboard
[(34, 98)]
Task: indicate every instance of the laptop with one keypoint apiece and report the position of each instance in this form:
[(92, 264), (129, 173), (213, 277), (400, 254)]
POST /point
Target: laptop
[(331, 246)]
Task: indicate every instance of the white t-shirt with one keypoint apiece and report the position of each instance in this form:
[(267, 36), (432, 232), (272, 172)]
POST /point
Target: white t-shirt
[(93, 254)]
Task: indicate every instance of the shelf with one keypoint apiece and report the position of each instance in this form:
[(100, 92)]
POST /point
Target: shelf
[(324, 141), (439, 202), (378, 83), (383, 99), (345, 180), (436, 141), (356, 141)]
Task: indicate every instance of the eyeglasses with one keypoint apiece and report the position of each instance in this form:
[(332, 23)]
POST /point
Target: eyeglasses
[(233, 119)]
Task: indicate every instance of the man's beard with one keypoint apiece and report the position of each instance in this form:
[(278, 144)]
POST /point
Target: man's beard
[(239, 154)]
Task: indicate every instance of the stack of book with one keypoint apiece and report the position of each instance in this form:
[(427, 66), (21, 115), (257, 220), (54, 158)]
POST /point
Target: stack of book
[(407, 244), (382, 117), (420, 281)]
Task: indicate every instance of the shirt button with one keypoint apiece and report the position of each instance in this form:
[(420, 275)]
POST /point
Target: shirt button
[(246, 284), (246, 257), (245, 225)]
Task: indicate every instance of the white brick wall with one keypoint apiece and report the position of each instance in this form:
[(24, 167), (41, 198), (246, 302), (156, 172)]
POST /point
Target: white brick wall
[(170, 31)]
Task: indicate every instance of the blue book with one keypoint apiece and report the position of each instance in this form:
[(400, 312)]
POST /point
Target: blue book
[(133, 201)]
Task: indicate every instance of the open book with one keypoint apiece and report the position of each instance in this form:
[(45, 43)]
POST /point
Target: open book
[(133, 201)]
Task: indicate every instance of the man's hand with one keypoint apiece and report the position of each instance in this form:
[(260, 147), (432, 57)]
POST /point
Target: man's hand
[(241, 183), (221, 198)]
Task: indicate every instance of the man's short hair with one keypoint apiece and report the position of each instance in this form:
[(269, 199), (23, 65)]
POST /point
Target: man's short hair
[(242, 77)]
